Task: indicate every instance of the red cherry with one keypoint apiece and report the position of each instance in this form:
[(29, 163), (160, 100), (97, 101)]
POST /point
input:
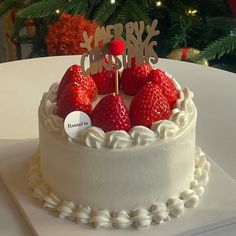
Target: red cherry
[(117, 47)]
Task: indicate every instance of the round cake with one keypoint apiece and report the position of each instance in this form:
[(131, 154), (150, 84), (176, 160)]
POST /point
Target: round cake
[(121, 178)]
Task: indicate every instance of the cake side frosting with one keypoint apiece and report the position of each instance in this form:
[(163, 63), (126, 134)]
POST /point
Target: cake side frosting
[(118, 178), (158, 161), (157, 213)]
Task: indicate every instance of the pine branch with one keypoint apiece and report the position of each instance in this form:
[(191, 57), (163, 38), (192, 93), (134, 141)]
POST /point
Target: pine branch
[(147, 3), (104, 11), (228, 67), (120, 15), (76, 7), (222, 23), (219, 48), (41, 9), (181, 29), (138, 12), (123, 13), (92, 5), (7, 5)]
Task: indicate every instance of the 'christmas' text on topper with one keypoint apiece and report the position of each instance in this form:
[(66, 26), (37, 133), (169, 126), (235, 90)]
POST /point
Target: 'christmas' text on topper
[(135, 46)]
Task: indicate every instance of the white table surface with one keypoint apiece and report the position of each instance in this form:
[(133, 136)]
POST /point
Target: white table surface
[(22, 84)]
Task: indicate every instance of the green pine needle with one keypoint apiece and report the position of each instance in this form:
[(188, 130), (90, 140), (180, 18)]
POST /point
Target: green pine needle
[(139, 12), (219, 48), (92, 5), (123, 13), (223, 23), (120, 15), (146, 3), (7, 5), (76, 7), (104, 11), (41, 9), (228, 67)]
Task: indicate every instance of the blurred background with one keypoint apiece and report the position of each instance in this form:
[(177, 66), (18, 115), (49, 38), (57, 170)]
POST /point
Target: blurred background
[(199, 31)]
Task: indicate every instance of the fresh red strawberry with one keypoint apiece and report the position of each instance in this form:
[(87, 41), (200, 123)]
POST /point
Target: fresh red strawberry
[(134, 78), (166, 85), (111, 114), (105, 80), (73, 98), (149, 105), (74, 75)]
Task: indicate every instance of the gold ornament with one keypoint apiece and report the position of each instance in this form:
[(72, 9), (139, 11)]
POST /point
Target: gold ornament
[(30, 28), (187, 54)]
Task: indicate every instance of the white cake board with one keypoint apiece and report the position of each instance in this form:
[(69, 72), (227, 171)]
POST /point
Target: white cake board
[(217, 207)]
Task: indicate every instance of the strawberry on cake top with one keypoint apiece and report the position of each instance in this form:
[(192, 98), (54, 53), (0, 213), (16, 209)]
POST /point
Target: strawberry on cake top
[(153, 96)]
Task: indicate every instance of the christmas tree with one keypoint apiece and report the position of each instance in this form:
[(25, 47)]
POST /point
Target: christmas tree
[(207, 25)]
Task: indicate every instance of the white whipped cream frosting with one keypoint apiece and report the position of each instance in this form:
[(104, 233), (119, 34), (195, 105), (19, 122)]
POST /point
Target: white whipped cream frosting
[(139, 135), (157, 213)]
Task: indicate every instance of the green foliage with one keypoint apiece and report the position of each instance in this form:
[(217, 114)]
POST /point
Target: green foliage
[(75, 7), (223, 66), (139, 12), (130, 11), (8, 5), (147, 3), (41, 9), (220, 47), (104, 11), (50, 8), (184, 29), (91, 6), (221, 23), (121, 15), (180, 38), (211, 28)]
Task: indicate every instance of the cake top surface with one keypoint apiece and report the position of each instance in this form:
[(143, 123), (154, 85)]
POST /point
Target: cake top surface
[(94, 137), (101, 105)]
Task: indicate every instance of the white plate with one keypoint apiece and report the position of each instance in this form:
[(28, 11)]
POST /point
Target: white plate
[(217, 206)]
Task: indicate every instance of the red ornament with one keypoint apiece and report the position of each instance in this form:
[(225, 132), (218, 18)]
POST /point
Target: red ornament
[(232, 4), (116, 47)]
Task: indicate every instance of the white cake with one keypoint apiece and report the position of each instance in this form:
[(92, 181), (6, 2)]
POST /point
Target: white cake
[(117, 178)]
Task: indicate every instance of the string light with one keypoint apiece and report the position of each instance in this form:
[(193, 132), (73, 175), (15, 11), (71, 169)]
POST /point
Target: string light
[(191, 12), (113, 1), (158, 3), (58, 11)]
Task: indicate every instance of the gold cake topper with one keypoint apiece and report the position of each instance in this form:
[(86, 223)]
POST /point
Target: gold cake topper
[(135, 46)]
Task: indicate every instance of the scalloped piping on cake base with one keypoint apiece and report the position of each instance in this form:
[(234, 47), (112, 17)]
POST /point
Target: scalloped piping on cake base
[(158, 212)]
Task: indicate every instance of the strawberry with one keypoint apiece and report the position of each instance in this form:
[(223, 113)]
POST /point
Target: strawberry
[(74, 74), (166, 85), (149, 105), (111, 114), (73, 98), (105, 80), (134, 78)]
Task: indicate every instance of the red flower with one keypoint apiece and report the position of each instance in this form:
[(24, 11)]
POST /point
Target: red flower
[(65, 35)]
